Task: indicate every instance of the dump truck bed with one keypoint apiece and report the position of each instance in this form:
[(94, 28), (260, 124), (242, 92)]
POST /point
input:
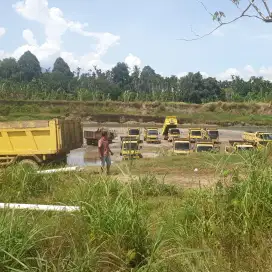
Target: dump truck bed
[(40, 137), (170, 122), (250, 136), (92, 136)]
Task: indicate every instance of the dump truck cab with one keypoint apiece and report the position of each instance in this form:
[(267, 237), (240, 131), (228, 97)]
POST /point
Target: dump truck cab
[(211, 134), (135, 132), (151, 135), (130, 150), (173, 133), (128, 139), (182, 146), (169, 122), (195, 134), (204, 146), (238, 146)]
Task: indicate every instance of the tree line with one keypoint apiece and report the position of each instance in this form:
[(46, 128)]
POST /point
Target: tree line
[(26, 80)]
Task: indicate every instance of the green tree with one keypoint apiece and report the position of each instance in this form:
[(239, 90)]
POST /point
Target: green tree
[(192, 86), (147, 79), (9, 68), (29, 66), (135, 79), (120, 75), (60, 66)]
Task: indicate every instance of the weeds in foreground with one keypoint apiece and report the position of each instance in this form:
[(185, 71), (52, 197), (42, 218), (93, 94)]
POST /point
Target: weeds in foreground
[(146, 225)]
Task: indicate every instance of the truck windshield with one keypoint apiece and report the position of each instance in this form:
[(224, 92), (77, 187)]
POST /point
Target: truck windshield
[(266, 136), (204, 148), (244, 148), (196, 133), (174, 131), (130, 146), (213, 134), (152, 132), (182, 146), (134, 132)]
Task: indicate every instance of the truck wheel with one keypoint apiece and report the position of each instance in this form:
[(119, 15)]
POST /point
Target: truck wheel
[(29, 163)]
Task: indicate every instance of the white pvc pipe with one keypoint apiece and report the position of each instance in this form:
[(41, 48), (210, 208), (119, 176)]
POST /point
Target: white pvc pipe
[(66, 169), (38, 207)]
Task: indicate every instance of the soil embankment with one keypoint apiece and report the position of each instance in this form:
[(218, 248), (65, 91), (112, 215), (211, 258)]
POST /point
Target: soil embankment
[(219, 113)]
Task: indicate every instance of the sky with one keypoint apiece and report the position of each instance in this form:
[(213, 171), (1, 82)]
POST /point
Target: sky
[(143, 32)]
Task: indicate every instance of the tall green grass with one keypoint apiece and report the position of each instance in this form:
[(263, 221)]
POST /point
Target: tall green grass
[(141, 225)]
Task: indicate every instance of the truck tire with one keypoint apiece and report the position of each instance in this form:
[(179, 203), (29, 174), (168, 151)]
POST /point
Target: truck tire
[(29, 163)]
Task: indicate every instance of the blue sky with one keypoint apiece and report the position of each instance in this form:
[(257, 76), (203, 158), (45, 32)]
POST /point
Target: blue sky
[(143, 32)]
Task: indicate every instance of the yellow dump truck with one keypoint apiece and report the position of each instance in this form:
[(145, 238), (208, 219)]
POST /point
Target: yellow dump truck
[(182, 146), (173, 133), (258, 139), (169, 122), (204, 146), (130, 150), (38, 142), (236, 146), (195, 134), (211, 134), (151, 135), (135, 132)]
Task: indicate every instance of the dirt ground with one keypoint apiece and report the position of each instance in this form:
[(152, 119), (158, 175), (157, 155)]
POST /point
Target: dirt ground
[(88, 156), (153, 150)]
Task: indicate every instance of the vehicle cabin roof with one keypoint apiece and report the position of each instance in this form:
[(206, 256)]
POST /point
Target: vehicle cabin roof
[(244, 145)]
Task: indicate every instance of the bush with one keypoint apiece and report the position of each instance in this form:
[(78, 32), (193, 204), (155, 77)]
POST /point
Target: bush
[(150, 186), (21, 184), (5, 110)]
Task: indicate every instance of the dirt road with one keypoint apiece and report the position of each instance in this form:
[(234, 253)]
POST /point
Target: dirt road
[(88, 155)]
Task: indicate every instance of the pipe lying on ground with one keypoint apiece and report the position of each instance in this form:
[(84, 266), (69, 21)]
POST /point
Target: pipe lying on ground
[(38, 207), (66, 169)]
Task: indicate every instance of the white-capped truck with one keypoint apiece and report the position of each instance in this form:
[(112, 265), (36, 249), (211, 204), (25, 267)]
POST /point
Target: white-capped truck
[(182, 146), (238, 146), (204, 146), (151, 135)]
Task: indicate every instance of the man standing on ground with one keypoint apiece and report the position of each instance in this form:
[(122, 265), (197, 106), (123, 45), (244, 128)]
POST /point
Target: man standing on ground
[(104, 152)]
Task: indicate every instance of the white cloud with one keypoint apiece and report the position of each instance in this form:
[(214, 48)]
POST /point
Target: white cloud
[(2, 54), (245, 73), (55, 25), (266, 72), (204, 74), (249, 69), (29, 37), (132, 60), (182, 74), (228, 74), (2, 31)]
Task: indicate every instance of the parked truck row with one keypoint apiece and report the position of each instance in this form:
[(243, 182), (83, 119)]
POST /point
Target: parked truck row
[(40, 142)]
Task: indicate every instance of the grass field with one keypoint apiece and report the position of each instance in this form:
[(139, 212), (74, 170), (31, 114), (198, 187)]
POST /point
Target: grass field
[(143, 224)]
